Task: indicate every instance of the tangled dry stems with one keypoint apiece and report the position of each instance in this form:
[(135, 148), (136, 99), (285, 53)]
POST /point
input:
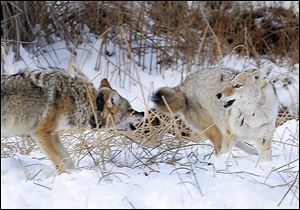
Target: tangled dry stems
[(157, 136), (159, 139), (168, 31)]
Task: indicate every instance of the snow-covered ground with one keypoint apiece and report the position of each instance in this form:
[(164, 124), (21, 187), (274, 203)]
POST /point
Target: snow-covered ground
[(196, 180), (230, 181)]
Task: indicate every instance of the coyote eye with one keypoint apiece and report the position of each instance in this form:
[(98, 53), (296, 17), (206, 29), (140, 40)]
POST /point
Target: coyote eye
[(112, 100), (237, 86)]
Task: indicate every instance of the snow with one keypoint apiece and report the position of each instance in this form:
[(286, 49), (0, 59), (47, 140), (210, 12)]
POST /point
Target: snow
[(195, 180), (230, 181)]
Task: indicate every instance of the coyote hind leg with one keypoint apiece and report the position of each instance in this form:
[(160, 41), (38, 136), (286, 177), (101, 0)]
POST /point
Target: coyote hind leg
[(215, 136), (228, 143)]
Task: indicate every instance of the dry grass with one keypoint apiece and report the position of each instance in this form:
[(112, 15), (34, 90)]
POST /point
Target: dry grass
[(160, 139), (168, 31)]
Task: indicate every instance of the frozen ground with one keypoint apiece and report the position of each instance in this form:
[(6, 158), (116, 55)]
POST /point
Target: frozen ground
[(233, 180)]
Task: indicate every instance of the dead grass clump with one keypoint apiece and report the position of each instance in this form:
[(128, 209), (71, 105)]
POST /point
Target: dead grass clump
[(168, 31), (17, 145), (270, 32), (158, 133), (160, 139)]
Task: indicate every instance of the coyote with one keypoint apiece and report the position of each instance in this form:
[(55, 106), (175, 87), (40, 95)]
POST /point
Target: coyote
[(42, 102), (252, 111), (195, 99)]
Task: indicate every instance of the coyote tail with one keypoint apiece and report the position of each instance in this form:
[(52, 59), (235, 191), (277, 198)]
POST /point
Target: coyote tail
[(168, 99)]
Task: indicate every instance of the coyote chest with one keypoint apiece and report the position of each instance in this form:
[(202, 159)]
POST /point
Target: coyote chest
[(242, 125), (252, 110)]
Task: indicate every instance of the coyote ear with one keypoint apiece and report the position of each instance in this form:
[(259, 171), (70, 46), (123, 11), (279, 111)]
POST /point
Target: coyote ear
[(262, 74), (105, 83), (105, 89)]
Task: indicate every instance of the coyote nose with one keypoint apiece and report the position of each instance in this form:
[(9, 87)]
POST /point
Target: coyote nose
[(219, 95)]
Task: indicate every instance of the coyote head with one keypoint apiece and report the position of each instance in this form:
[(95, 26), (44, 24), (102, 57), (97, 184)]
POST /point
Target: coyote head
[(244, 90), (114, 110)]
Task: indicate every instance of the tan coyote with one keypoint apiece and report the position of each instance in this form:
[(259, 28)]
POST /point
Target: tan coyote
[(42, 102), (227, 106)]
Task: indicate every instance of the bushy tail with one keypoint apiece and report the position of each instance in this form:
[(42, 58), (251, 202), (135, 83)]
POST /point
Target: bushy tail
[(174, 98)]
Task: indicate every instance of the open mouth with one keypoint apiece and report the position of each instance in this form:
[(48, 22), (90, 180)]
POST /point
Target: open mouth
[(229, 103), (132, 126)]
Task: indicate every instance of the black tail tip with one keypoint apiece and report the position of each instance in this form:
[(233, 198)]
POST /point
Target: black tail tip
[(157, 97)]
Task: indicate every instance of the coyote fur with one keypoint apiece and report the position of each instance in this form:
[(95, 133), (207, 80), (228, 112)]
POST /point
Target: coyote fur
[(43, 102), (228, 107)]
